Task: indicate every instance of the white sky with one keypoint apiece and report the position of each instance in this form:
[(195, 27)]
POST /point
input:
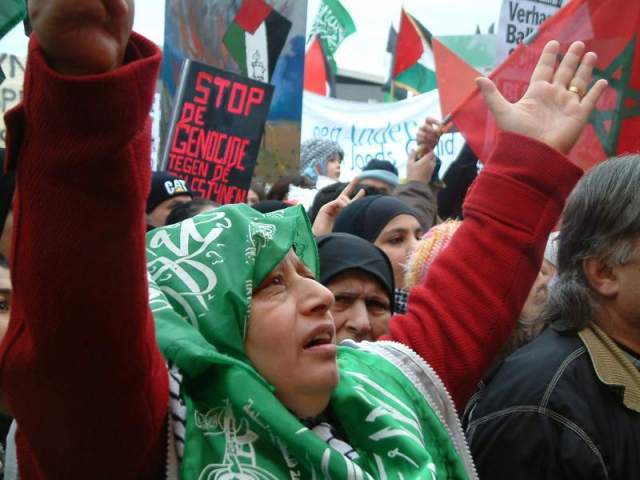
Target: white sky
[(149, 21), (441, 17)]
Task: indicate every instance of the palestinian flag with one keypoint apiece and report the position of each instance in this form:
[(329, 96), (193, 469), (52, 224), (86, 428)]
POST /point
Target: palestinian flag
[(256, 38), (413, 63), (11, 12), (318, 75), (332, 25), (393, 92)]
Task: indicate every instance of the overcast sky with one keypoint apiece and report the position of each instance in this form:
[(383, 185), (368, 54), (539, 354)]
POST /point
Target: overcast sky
[(442, 17), (149, 21)]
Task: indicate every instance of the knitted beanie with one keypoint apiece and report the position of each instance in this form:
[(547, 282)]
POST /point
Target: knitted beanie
[(429, 247), (382, 170), (315, 154)]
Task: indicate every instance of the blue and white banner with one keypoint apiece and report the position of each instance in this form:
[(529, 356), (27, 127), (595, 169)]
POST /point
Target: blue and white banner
[(385, 131)]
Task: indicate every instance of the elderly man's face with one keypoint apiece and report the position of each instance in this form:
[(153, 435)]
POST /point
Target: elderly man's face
[(626, 301)]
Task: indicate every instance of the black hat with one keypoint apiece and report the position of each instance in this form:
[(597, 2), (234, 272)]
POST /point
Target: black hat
[(342, 252), (165, 185), (367, 217)]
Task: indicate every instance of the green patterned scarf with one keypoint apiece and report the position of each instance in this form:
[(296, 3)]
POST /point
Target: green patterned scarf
[(202, 273)]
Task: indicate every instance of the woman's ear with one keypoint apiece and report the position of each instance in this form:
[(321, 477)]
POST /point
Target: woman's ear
[(601, 276)]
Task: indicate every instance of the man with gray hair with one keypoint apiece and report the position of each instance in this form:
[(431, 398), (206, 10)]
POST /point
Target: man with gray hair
[(567, 405)]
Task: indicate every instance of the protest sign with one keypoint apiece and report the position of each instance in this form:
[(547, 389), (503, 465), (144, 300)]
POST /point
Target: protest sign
[(10, 88), (196, 30), (519, 19), (217, 125), (385, 131)]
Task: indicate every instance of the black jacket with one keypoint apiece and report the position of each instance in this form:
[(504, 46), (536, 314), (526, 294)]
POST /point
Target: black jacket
[(544, 413)]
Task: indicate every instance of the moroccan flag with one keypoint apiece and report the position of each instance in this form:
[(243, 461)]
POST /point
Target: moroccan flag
[(614, 125), (318, 74), (332, 25), (455, 77), (11, 12), (256, 38), (413, 62)]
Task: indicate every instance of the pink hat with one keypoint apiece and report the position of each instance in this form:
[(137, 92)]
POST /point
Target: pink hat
[(429, 246)]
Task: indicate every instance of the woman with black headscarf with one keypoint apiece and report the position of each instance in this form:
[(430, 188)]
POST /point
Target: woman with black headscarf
[(360, 277), (388, 223)]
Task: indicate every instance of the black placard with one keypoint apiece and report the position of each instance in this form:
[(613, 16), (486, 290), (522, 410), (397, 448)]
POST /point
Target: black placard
[(216, 129)]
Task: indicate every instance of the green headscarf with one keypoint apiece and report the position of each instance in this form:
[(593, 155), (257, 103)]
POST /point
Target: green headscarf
[(202, 273)]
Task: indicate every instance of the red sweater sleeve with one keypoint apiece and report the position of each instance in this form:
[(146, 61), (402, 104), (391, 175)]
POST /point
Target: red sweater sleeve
[(459, 319), (79, 366)]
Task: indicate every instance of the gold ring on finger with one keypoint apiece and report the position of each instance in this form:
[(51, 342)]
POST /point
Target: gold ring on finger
[(576, 90)]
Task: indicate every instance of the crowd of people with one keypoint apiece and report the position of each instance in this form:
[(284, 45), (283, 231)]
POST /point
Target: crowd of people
[(154, 334)]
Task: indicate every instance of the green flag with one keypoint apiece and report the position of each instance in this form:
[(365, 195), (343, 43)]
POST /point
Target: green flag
[(11, 12), (332, 25)]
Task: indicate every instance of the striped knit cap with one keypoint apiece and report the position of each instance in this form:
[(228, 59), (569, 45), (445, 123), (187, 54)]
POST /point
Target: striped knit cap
[(314, 154), (428, 248)]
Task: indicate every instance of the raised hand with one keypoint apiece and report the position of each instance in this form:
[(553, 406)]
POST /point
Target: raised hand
[(421, 169), (82, 37), (429, 135), (556, 106), (326, 217)]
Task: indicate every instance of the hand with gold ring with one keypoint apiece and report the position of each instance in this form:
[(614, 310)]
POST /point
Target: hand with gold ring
[(574, 89), (549, 111)]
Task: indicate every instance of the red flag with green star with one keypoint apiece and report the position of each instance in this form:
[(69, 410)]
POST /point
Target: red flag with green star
[(614, 126)]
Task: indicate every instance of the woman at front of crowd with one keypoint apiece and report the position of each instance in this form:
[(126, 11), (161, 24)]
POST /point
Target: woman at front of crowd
[(257, 390), (263, 390)]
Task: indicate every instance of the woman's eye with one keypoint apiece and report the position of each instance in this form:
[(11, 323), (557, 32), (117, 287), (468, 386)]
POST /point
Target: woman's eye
[(4, 306), (277, 280), (396, 240)]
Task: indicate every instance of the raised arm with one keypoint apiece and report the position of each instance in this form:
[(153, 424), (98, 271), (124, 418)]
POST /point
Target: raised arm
[(421, 191), (460, 318), (80, 367)]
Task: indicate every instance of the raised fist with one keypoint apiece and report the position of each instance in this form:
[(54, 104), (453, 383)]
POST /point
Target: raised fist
[(82, 37)]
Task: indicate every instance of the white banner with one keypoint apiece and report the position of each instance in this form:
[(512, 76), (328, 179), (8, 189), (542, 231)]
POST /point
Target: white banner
[(385, 131), (11, 88), (519, 19)]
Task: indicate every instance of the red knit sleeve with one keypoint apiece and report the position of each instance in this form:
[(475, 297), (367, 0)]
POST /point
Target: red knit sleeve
[(460, 318), (79, 366)]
